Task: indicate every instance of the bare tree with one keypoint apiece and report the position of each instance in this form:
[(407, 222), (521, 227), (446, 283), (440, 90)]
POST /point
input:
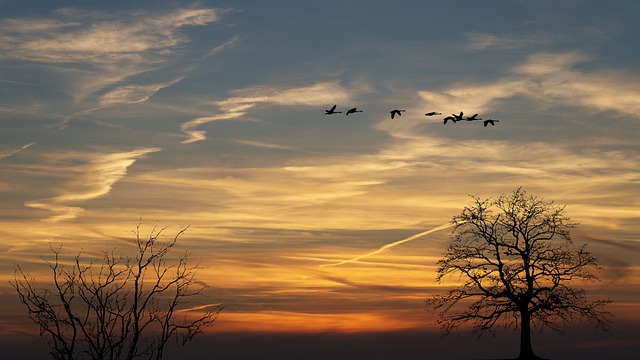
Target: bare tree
[(519, 265), (126, 307)]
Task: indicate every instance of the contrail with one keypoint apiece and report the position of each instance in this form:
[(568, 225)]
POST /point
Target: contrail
[(19, 83), (388, 246), (13, 152)]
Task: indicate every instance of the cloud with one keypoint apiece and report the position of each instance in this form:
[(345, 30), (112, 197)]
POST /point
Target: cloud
[(101, 39), (317, 94), (375, 287), (218, 49), (264, 145), (199, 135), (193, 135), (548, 78), (123, 95), (6, 154), (89, 51), (93, 179), (475, 97), (390, 245), (550, 64), (18, 83), (487, 41), (558, 81), (133, 93), (237, 106)]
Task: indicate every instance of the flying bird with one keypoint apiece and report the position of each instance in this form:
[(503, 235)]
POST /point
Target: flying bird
[(473, 117), (458, 117), (490, 121), (432, 113), (396, 112), (449, 118), (353, 110), (332, 111)]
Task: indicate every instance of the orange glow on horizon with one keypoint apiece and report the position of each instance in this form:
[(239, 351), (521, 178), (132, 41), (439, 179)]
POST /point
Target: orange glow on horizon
[(284, 322)]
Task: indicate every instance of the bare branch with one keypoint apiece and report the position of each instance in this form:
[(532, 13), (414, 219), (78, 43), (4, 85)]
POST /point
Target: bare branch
[(125, 307)]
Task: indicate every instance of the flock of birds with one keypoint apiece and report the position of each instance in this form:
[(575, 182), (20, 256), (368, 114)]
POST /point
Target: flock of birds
[(398, 112)]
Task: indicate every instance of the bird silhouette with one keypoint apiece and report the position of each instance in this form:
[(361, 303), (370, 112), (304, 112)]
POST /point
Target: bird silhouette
[(432, 113), (458, 117), (449, 118), (473, 117), (490, 121), (332, 111), (396, 112), (353, 110)]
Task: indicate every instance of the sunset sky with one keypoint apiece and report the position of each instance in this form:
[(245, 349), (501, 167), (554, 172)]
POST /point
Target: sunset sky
[(210, 114)]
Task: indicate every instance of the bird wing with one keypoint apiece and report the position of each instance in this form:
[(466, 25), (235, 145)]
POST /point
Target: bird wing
[(333, 108)]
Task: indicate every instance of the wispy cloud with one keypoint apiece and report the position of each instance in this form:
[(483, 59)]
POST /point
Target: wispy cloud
[(478, 97), (121, 95), (375, 287), (18, 83), (93, 50), (231, 113), (132, 94), (93, 179), (390, 245), (218, 49), (264, 145), (237, 106), (98, 38), (6, 154), (557, 80), (488, 41), (547, 78)]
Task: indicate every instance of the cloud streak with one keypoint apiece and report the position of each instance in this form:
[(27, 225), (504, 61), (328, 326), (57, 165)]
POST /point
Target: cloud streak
[(89, 181), (9, 153), (100, 39), (389, 246), (90, 51), (547, 77), (133, 94), (238, 105), (487, 41), (264, 145), (375, 287)]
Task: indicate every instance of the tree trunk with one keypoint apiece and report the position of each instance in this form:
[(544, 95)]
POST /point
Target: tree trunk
[(526, 350)]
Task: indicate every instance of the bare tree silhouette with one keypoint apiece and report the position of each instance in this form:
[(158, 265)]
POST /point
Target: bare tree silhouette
[(126, 307), (518, 263)]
